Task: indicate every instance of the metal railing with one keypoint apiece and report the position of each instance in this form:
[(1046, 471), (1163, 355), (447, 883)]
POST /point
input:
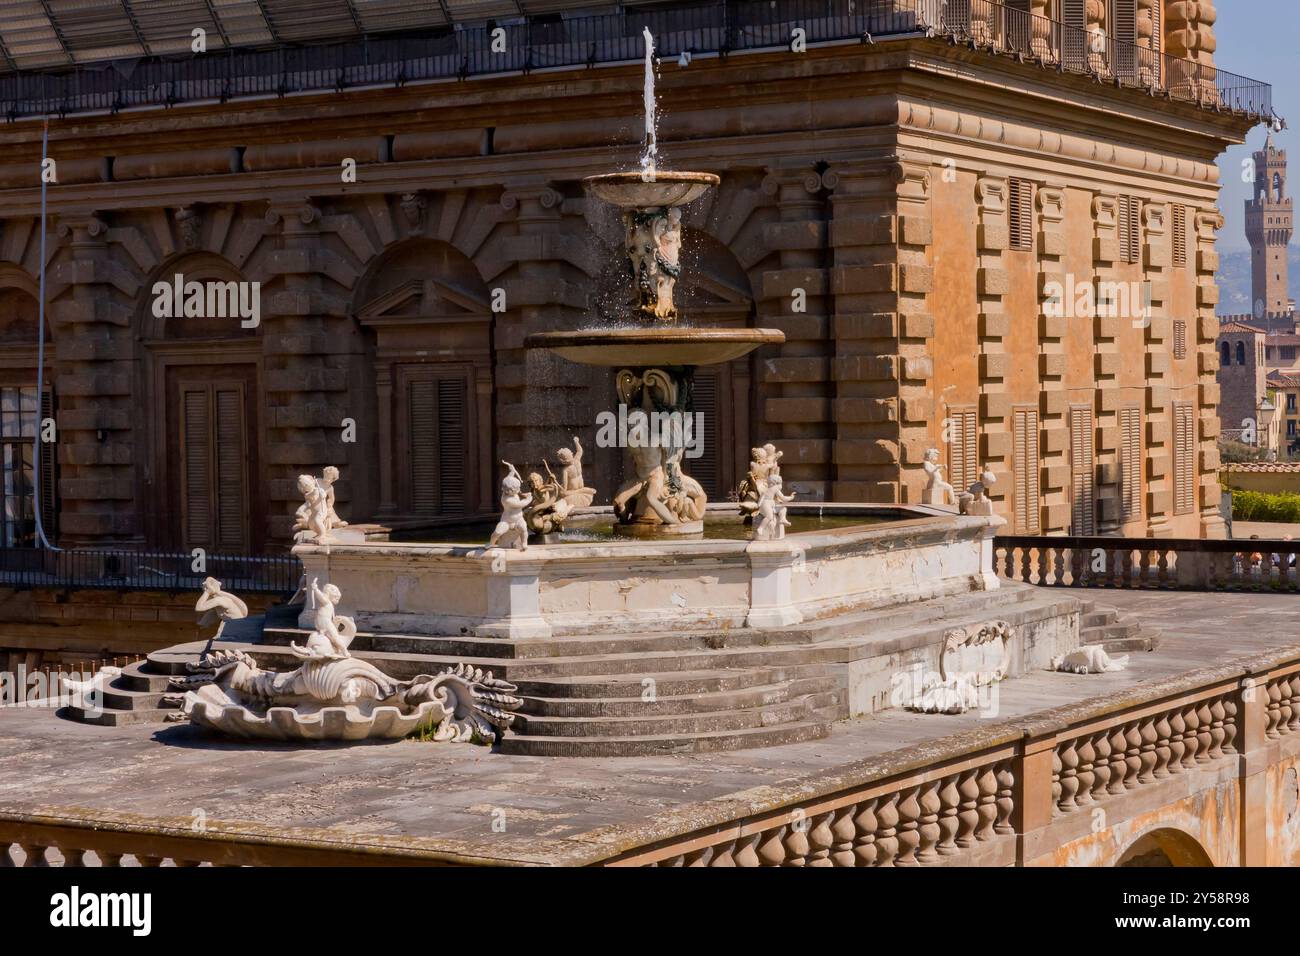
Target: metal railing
[(129, 570), (544, 43), (1150, 563)]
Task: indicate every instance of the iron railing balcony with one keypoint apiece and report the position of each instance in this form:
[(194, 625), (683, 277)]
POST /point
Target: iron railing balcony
[(146, 570), (545, 43)]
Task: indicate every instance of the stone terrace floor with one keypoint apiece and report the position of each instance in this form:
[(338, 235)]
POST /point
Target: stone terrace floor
[(562, 810)]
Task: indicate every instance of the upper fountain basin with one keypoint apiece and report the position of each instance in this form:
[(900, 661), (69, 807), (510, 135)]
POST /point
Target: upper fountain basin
[(675, 345), (630, 191)]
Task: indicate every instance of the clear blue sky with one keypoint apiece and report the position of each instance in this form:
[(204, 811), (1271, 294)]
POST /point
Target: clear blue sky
[(1257, 38)]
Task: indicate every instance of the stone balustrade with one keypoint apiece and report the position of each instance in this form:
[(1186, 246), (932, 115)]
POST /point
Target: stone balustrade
[(1150, 563)]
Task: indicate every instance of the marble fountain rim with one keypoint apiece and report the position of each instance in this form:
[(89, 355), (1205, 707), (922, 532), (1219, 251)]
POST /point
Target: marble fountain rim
[(628, 189), (677, 345)]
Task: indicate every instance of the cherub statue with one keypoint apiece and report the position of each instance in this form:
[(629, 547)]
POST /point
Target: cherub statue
[(976, 501), (772, 520), (312, 519), (549, 508), (218, 607), (937, 491), (327, 479), (573, 490), (332, 633), (764, 462), (512, 530)]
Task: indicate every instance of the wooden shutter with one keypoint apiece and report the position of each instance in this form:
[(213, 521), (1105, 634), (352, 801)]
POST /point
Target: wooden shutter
[(1130, 228), (707, 404), (1123, 29), (1021, 214), (1180, 338), (438, 444), (1082, 471), (196, 469), (229, 466), (1179, 238), (48, 464), (1074, 34), (1130, 422), (1184, 459), (963, 448), (1026, 467)]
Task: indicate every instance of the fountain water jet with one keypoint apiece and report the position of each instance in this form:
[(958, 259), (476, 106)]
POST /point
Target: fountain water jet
[(656, 363)]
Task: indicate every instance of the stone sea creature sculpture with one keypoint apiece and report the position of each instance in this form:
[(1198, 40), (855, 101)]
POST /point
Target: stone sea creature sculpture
[(952, 696), (316, 517), (1090, 659), (937, 490), (972, 660), (764, 462), (512, 530), (332, 633), (772, 520), (343, 699), (654, 243)]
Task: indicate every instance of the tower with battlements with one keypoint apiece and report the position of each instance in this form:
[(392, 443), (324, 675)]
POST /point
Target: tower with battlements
[(1268, 229)]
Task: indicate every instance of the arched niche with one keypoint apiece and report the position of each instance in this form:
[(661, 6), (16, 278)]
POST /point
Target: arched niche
[(426, 313), (22, 410), (203, 413), (1165, 847)]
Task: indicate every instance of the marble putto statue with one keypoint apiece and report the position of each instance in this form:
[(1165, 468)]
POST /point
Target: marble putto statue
[(554, 499), (976, 501), (331, 632), (512, 530), (764, 463), (316, 517), (937, 491), (772, 520), (216, 606)]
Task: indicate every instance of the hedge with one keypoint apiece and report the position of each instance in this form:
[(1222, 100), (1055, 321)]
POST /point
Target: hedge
[(1261, 506)]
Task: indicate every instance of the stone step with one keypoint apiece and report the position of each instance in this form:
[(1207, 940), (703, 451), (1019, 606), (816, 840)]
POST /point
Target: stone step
[(675, 684), (1142, 641), (141, 677), (595, 707), (665, 744), (1116, 631), (120, 718), (724, 720), (117, 698), (1099, 618)]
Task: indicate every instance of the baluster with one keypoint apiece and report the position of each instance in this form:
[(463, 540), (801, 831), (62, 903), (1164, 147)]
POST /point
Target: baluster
[(73, 856), (1147, 754), (968, 817), (109, 859), (1203, 721), (887, 834), (1144, 567), (1009, 563), (1101, 766), (1274, 711), (1216, 728), (698, 858), (865, 825), (1132, 755), (987, 808), (1069, 775), (1087, 756), (744, 855), (1177, 731), (7, 860), (1283, 705), (842, 835), (949, 801), (909, 812), (1190, 745), (35, 855), (1293, 724), (796, 843), (1129, 567), (1163, 751), (929, 822), (820, 840), (1118, 768), (1006, 802), (1058, 567), (1078, 567), (1027, 565), (1229, 725), (723, 855), (771, 847)]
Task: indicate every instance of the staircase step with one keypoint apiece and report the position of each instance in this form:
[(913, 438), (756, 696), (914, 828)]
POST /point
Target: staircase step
[(1139, 642), (661, 684), (1099, 618), (788, 712), (665, 744), (758, 696), (120, 718)]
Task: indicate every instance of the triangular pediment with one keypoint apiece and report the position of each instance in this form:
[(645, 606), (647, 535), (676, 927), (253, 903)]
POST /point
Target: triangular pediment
[(422, 298)]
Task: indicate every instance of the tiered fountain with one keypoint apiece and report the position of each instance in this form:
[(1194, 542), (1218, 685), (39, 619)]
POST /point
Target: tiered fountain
[(675, 640)]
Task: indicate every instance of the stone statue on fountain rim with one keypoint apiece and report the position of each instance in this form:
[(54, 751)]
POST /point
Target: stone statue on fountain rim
[(764, 463), (654, 243), (512, 530)]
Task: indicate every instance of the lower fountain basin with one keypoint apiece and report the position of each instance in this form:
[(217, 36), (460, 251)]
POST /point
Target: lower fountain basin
[(631, 585), (674, 346)]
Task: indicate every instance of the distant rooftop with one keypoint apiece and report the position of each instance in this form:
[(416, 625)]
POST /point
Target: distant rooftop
[(75, 56)]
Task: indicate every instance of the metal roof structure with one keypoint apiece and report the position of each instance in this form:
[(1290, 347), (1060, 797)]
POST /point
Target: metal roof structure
[(42, 34)]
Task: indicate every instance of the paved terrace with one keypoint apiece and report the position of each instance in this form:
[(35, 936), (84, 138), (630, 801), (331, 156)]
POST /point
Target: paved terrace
[(443, 800)]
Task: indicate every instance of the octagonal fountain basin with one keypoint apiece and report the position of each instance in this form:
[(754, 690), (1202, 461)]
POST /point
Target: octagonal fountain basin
[(641, 347), (633, 191), (889, 555)]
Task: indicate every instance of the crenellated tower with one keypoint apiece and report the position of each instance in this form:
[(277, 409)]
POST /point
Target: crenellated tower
[(1268, 229)]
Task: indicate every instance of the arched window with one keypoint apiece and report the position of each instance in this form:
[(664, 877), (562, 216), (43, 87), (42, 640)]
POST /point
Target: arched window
[(1241, 353), (1225, 354), (21, 412), (1277, 186)]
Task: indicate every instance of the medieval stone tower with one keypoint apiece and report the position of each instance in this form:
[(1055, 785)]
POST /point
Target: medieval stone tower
[(1268, 228)]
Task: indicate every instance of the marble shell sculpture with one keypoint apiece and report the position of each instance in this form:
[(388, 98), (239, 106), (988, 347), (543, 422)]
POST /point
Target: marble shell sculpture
[(343, 699)]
